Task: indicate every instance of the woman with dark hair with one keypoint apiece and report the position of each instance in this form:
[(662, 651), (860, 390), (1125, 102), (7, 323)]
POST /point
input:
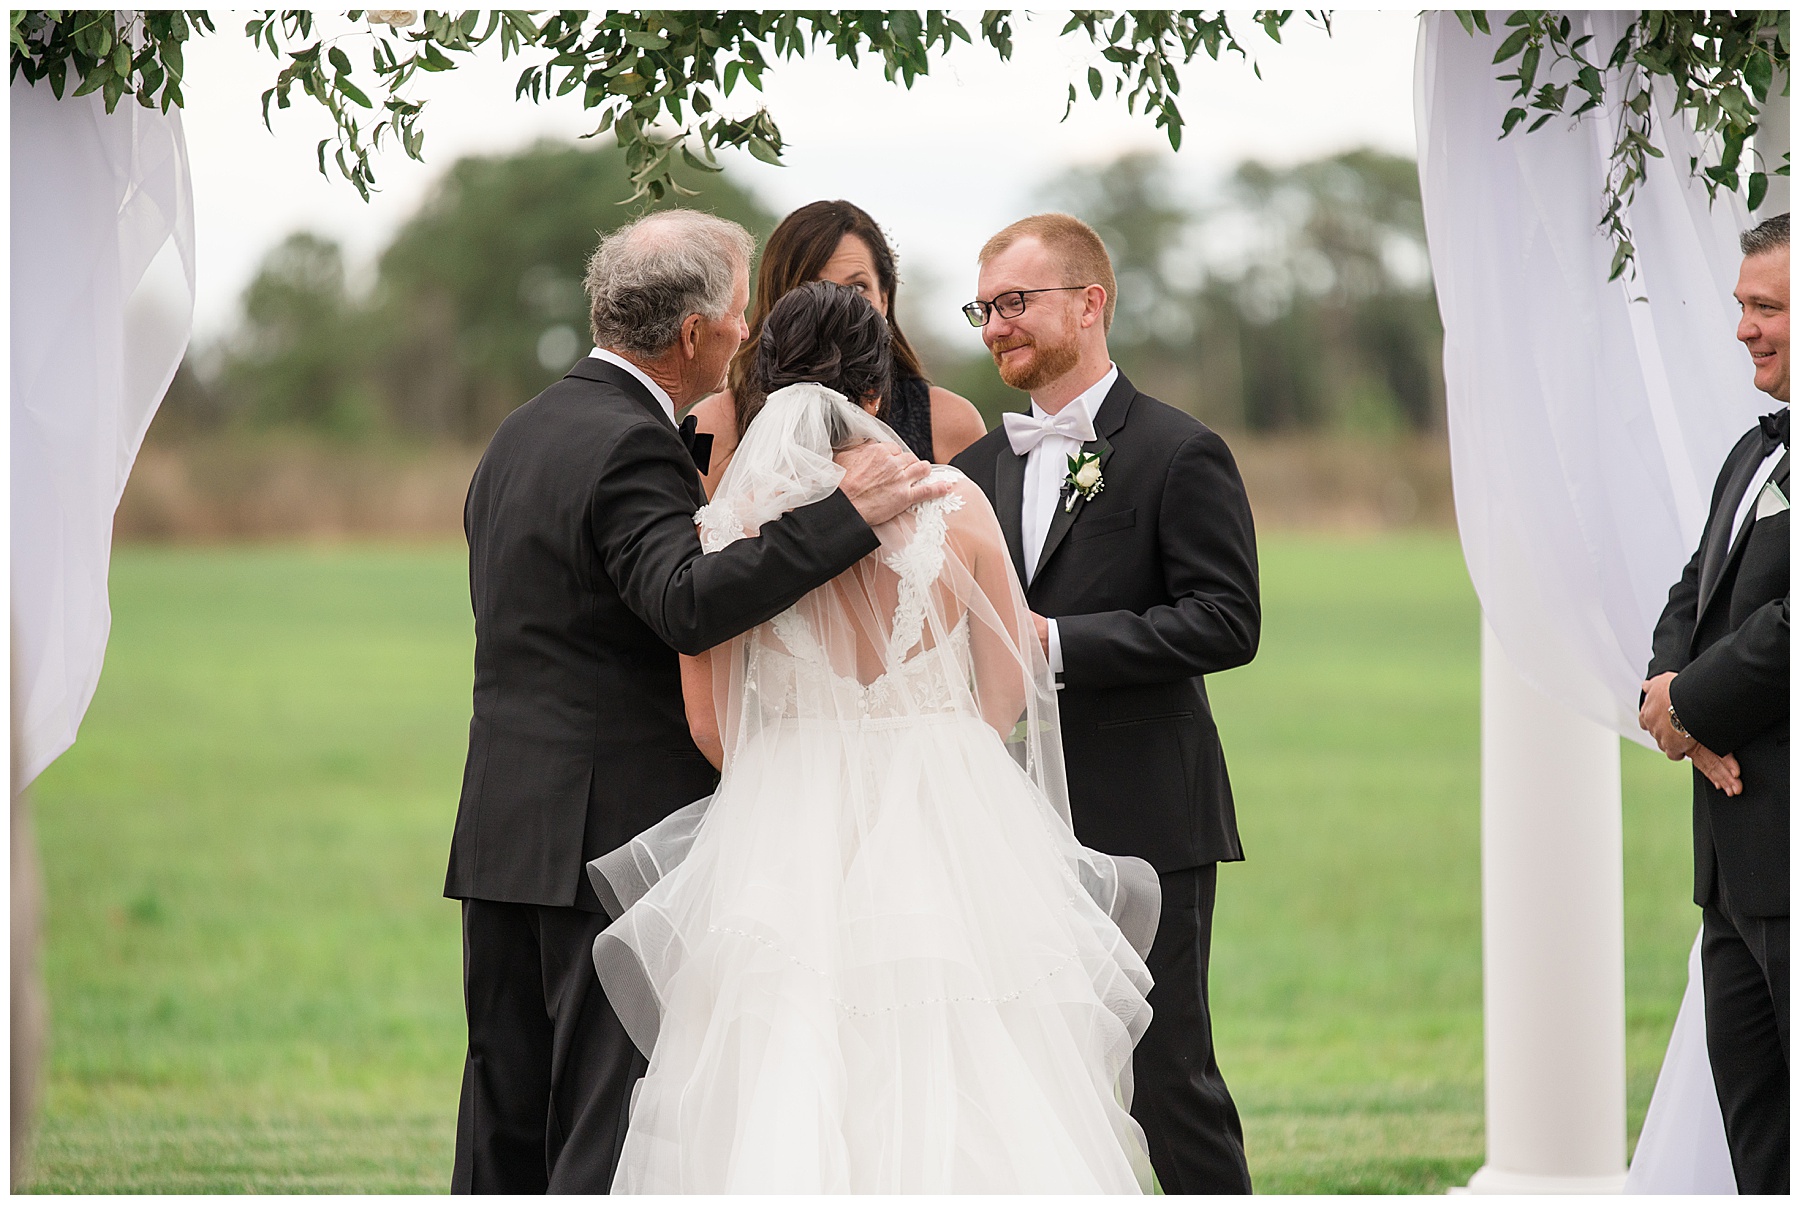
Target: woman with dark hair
[(875, 959), (836, 241)]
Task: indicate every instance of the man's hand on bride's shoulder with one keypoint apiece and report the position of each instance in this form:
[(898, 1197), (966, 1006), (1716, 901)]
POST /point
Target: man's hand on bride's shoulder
[(883, 479)]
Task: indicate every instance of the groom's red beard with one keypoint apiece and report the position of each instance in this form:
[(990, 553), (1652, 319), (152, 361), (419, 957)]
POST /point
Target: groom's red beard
[(1046, 364)]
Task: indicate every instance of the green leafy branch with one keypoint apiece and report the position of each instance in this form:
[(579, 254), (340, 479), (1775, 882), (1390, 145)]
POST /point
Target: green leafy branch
[(659, 79), (112, 53), (1720, 67), (323, 70), (1143, 46), (642, 67)]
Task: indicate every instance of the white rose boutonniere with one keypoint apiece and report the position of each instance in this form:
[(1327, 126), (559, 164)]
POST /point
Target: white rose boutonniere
[(1084, 479)]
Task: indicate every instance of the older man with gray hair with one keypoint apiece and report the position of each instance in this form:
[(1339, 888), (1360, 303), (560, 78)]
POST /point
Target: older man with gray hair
[(586, 578)]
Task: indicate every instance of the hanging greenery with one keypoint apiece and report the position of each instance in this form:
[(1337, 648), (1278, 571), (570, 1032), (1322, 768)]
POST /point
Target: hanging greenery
[(657, 78), (1720, 68), (140, 55)]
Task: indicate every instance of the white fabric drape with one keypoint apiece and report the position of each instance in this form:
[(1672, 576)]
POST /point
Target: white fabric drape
[(102, 305), (1682, 1147), (1585, 428)]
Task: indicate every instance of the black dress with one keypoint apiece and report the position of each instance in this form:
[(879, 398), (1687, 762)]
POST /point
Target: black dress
[(909, 414)]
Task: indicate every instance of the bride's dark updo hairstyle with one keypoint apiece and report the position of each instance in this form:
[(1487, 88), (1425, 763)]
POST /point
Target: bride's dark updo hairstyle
[(826, 333)]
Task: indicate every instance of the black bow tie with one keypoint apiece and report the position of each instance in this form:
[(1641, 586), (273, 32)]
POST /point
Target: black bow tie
[(1774, 429), (699, 446)]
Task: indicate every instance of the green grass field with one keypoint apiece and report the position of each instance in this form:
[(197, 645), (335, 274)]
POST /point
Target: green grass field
[(255, 983)]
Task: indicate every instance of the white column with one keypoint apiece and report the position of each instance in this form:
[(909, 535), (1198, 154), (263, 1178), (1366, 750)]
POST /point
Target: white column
[(1553, 942)]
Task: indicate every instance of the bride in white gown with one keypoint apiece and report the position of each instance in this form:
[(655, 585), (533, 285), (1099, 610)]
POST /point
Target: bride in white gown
[(876, 960)]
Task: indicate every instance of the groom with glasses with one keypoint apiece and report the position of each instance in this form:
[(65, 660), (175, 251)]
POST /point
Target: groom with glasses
[(1130, 530)]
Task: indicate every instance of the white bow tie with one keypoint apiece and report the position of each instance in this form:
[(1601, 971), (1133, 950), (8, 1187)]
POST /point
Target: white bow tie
[(1027, 431)]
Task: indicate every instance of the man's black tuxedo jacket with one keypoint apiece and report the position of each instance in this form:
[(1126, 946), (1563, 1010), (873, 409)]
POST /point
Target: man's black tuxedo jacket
[(586, 576), (1152, 583), (1725, 633)]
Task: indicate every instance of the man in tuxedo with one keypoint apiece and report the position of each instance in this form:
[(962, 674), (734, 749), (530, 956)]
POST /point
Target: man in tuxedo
[(1717, 694), (586, 577), (1142, 582)]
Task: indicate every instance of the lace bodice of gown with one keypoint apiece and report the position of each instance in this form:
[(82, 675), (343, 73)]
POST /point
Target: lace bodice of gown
[(794, 676), (790, 687)]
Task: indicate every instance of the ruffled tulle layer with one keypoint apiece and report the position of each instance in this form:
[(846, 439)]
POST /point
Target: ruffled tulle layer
[(878, 961)]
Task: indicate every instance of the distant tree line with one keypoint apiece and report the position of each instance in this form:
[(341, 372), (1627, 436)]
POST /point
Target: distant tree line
[(1294, 299), (476, 305)]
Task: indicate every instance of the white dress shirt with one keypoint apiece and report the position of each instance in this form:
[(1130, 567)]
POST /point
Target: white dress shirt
[(1045, 468), (656, 391), (1754, 491)]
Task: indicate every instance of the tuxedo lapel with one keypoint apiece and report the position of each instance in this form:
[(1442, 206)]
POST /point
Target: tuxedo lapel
[(1067, 509), (1009, 503), (1721, 541), (1740, 538), (1106, 423)]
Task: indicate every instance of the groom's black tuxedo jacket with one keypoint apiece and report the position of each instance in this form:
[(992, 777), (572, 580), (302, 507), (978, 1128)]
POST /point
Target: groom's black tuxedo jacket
[(1153, 584), (586, 576), (1724, 632)]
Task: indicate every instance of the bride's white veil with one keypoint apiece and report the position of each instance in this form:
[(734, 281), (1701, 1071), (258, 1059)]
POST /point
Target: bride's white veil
[(941, 588), (931, 629), (785, 460)]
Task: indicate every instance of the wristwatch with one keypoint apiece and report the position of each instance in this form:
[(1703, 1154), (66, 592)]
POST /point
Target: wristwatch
[(1675, 723)]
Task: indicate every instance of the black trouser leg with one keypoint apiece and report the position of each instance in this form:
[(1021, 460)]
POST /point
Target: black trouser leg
[(506, 1076), (548, 1077), (594, 1063), (1744, 969), (1196, 1140)]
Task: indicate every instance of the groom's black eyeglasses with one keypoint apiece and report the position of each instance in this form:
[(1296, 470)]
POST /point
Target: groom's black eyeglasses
[(1010, 305)]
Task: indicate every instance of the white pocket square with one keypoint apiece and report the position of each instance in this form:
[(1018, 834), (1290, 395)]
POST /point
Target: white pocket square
[(1771, 501)]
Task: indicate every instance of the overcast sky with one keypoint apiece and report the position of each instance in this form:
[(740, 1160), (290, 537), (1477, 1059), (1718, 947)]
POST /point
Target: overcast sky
[(940, 166)]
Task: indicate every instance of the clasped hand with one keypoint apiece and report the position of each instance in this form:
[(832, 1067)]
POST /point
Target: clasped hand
[(1653, 717)]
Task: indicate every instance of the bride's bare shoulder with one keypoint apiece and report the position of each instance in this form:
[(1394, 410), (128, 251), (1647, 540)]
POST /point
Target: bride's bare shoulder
[(970, 512), (960, 485)]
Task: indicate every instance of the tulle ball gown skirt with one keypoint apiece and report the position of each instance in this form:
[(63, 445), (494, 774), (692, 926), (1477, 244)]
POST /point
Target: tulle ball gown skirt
[(879, 962)]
